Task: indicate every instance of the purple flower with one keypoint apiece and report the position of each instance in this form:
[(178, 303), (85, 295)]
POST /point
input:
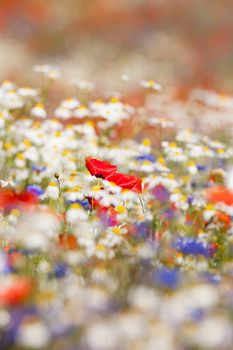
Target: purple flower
[(201, 167), (169, 214), (161, 193), (142, 230), (190, 200)]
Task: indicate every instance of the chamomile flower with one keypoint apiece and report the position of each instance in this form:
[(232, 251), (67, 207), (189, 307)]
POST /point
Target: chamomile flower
[(70, 103), (125, 78), (151, 84), (83, 84), (27, 92), (52, 191), (39, 111), (63, 113), (11, 100), (81, 112), (20, 160), (48, 71), (75, 214)]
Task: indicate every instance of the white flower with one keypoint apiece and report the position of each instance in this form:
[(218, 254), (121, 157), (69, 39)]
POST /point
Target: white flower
[(27, 92), (39, 111), (151, 84), (214, 333), (103, 336), (70, 103), (192, 168), (46, 223), (48, 71), (52, 191), (2, 122), (132, 325), (5, 184), (83, 84), (20, 161), (21, 174), (81, 112), (4, 318), (125, 77), (144, 298), (75, 214), (63, 113), (11, 100), (229, 179), (74, 195), (32, 154), (147, 167), (208, 214), (33, 334), (164, 123), (187, 136), (34, 240), (7, 85)]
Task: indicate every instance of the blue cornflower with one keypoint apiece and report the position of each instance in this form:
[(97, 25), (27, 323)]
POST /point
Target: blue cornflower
[(212, 278), (148, 157), (201, 167), (35, 189), (167, 277), (84, 203), (38, 168), (190, 200), (142, 229), (191, 245), (60, 270), (198, 314)]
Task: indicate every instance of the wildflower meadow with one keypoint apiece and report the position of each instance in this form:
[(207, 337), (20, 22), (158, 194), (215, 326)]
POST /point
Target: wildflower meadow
[(116, 211)]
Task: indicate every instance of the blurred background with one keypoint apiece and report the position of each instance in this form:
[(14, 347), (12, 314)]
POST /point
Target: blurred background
[(176, 42)]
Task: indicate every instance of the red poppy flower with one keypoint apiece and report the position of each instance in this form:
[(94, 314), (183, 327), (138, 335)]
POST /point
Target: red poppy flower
[(220, 194), (14, 290), (9, 199), (100, 168), (129, 182)]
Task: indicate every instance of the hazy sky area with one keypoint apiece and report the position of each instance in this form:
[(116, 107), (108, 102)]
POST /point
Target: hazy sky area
[(176, 42)]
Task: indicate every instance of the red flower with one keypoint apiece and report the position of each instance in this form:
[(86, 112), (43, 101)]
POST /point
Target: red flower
[(129, 182), (94, 203), (9, 199), (108, 171), (220, 194), (100, 168), (14, 290)]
